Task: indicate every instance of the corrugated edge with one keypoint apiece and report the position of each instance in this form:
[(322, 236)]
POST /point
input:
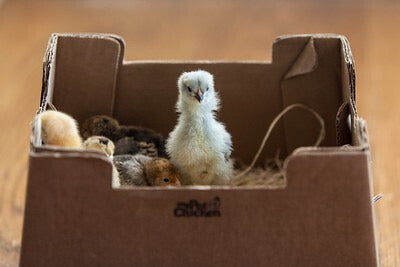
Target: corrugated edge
[(48, 71), (349, 60), (339, 122), (360, 133), (308, 35)]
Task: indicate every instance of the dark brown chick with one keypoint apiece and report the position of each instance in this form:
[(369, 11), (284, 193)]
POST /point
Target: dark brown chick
[(146, 135), (128, 145), (100, 125)]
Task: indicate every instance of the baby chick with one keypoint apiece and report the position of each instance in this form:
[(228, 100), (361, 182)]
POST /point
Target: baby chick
[(100, 125), (142, 134), (160, 172), (199, 146), (109, 127), (128, 145), (59, 129), (148, 149), (140, 170), (100, 143), (130, 169)]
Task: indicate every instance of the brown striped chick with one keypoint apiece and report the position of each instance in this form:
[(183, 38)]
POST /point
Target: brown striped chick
[(101, 125), (160, 172), (141, 170), (59, 129), (100, 143)]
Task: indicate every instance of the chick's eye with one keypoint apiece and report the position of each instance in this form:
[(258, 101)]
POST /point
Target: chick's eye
[(207, 89), (166, 180), (189, 89)]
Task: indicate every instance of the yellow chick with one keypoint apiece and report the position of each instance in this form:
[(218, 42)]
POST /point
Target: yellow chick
[(59, 129), (100, 143)]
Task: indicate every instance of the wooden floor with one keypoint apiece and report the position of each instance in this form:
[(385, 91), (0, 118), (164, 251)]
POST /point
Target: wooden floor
[(211, 30)]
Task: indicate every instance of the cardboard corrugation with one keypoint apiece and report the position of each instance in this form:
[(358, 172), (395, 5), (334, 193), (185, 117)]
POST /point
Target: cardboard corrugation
[(324, 217)]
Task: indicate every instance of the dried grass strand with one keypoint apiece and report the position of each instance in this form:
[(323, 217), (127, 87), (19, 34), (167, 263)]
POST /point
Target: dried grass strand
[(272, 126)]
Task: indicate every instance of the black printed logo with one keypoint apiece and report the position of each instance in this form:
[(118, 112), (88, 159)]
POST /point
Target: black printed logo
[(193, 208)]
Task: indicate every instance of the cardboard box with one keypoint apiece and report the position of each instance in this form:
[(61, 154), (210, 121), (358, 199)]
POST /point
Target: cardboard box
[(324, 217)]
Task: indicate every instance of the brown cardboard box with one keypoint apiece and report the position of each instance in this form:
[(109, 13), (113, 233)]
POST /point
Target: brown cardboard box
[(324, 217)]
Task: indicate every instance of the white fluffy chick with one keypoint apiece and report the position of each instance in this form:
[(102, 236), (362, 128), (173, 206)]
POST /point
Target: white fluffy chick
[(199, 146)]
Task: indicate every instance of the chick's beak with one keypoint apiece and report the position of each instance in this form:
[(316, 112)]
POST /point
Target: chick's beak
[(199, 95)]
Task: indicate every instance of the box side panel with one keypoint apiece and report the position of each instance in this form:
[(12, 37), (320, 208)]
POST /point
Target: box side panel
[(86, 73), (52, 232), (335, 190), (323, 218)]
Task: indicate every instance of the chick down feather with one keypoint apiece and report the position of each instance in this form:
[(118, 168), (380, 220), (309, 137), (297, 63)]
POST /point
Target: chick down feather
[(200, 146)]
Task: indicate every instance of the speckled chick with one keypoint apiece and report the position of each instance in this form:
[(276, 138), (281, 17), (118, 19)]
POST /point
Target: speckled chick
[(130, 169), (128, 145), (100, 143), (59, 129), (140, 170)]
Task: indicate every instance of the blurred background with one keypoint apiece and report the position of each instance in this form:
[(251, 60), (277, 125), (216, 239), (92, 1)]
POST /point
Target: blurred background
[(215, 30)]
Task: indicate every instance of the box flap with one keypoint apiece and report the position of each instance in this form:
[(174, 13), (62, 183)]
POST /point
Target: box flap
[(314, 77), (306, 62), (87, 67)]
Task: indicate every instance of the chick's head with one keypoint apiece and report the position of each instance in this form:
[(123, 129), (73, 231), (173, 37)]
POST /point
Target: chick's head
[(100, 125), (196, 89), (100, 143), (160, 172)]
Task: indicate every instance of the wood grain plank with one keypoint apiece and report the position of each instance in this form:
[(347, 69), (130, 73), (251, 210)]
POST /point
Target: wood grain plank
[(379, 102)]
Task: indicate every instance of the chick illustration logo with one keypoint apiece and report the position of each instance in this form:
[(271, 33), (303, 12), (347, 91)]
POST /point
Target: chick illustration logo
[(193, 208)]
